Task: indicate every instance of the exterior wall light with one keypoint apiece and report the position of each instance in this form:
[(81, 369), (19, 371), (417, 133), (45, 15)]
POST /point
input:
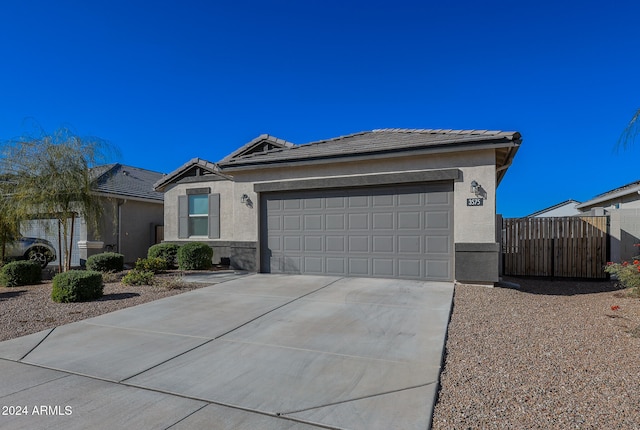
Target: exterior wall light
[(475, 187), (246, 200)]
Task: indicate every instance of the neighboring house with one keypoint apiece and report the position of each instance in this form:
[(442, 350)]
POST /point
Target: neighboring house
[(566, 208), (384, 203), (622, 204), (132, 219)]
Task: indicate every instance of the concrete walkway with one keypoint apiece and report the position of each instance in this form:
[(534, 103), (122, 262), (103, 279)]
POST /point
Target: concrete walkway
[(253, 352)]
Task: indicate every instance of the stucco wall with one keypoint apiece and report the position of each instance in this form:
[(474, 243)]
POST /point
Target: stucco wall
[(624, 230), (137, 228), (134, 221), (239, 222)]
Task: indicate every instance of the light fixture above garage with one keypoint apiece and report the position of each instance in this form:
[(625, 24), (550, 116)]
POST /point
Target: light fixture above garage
[(475, 187), (246, 200)]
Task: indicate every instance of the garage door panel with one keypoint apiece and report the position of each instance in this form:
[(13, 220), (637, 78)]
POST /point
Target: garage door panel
[(336, 266), (382, 221), (292, 243), (313, 265), (274, 223), (403, 231), (409, 199), (335, 203), (336, 244), (359, 266), (292, 204), (438, 269), (409, 245), (313, 243), (335, 221), (274, 205), (384, 201), (409, 220), (312, 203), (358, 221), (359, 202), (275, 243), (292, 264), (313, 222), (291, 223), (437, 245), (383, 244), (409, 268), (437, 220), (358, 244), (383, 267), (438, 197)]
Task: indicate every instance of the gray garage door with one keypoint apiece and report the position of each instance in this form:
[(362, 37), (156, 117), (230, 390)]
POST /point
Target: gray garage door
[(403, 231)]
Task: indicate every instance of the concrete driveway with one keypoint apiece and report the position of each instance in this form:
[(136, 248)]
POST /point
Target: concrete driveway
[(256, 352)]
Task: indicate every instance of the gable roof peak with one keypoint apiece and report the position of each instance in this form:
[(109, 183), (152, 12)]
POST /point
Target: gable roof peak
[(262, 143)]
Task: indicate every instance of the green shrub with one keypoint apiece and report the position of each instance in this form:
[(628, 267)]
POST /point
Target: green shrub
[(166, 251), (153, 264), (20, 273), (77, 286), (627, 274), (195, 256), (138, 277), (106, 262)]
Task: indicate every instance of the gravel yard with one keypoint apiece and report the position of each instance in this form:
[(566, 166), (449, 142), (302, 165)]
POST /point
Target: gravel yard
[(29, 309), (552, 354)]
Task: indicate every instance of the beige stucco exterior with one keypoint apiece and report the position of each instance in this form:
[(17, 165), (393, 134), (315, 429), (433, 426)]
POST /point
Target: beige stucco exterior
[(127, 226), (239, 221)]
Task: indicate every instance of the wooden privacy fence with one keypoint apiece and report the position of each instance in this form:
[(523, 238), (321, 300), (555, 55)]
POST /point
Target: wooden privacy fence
[(574, 247)]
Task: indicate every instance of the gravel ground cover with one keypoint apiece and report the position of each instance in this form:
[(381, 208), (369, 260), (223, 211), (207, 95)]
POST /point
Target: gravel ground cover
[(549, 355), (29, 309)]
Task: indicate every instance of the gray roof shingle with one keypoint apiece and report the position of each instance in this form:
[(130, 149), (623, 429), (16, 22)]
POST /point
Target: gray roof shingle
[(126, 181), (375, 141)]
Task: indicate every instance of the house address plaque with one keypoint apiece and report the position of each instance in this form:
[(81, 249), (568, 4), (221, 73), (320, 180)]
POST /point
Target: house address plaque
[(476, 201)]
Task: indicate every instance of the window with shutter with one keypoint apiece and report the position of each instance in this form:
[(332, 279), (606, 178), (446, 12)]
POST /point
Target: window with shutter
[(199, 215)]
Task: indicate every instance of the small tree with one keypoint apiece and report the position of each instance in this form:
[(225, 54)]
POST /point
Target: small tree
[(9, 219), (631, 131), (52, 179)]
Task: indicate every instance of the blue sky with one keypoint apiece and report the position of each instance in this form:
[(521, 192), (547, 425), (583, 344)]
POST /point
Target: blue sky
[(167, 81)]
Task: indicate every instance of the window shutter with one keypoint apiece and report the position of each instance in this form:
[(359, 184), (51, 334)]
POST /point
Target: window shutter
[(214, 216), (183, 217)]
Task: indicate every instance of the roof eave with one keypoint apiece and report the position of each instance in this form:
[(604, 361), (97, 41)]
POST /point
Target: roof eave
[(121, 196), (396, 152), (607, 197), (171, 177)]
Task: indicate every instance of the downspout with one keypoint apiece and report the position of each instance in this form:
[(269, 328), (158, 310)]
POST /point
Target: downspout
[(118, 241)]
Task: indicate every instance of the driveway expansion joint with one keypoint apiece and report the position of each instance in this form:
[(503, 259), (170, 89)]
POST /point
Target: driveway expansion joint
[(37, 345), (358, 398)]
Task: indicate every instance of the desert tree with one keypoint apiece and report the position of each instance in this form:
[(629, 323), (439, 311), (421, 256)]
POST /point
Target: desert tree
[(630, 132), (51, 176), (9, 218)]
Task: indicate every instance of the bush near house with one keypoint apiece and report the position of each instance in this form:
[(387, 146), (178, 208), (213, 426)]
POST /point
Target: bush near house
[(145, 270), (152, 264), (627, 274), (19, 273), (166, 251), (106, 262), (138, 277), (77, 286), (195, 256)]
